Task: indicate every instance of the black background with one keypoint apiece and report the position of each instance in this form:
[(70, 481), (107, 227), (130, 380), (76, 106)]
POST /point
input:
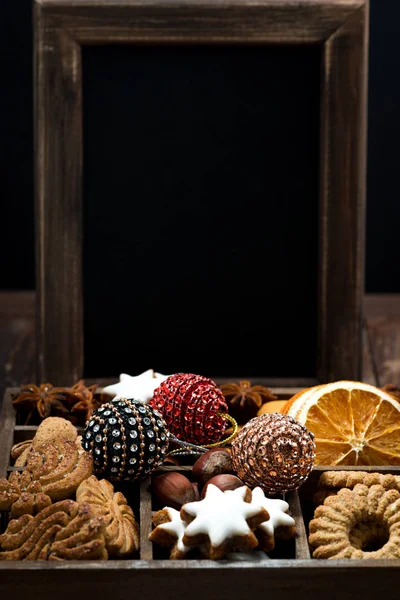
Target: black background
[(16, 148), (201, 214)]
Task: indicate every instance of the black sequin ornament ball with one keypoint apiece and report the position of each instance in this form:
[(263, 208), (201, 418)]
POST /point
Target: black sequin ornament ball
[(128, 439)]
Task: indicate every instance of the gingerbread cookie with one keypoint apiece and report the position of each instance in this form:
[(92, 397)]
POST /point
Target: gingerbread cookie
[(280, 524), (122, 530), (222, 521)]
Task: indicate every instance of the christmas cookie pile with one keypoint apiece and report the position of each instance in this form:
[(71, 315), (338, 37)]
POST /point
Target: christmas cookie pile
[(58, 509), (244, 448)]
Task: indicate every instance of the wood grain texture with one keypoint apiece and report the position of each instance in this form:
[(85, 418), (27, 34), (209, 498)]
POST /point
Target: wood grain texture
[(62, 26), (58, 156), (7, 422), (302, 548), (343, 156), (218, 581), (146, 547), (158, 21)]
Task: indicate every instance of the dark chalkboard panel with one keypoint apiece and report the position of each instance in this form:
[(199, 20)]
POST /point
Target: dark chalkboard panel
[(201, 209)]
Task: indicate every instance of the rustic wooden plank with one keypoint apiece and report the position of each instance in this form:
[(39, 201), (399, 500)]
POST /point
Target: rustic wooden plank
[(17, 333), (343, 176), (146, 547), (383, 331), (370, 372), (7, 421), (378, 306), (58, 191), (305, 579), (102, 21), (302, 548), (17, 304)]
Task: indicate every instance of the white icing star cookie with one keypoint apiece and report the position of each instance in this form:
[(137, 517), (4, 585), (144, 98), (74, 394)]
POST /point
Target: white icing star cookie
[(223, 521), (169, 531), (141, 387), (280, 524)]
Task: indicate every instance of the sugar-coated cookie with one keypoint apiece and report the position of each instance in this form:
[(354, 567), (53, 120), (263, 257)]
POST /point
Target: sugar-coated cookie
[(223, 522), (280, 524), (169, 531)]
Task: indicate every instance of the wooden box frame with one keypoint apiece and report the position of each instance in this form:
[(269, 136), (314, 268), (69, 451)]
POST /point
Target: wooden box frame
[(62, 27), (301, 577)]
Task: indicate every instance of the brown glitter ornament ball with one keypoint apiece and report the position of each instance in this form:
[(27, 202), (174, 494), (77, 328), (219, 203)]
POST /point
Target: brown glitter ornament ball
[(275, 452)]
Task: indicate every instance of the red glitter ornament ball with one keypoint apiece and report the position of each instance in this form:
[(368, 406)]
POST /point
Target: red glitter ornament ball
[(191, 406)]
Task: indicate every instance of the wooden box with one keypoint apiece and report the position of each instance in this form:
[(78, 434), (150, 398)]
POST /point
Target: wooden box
[(290, 571)]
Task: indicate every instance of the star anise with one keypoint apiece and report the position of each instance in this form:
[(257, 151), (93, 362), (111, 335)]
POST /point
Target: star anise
[(244, 400), (35, 403), (87, 401), (39, 402)]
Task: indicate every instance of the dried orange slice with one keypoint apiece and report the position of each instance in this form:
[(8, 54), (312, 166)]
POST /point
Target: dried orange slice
[(271, 407), (353, 423)]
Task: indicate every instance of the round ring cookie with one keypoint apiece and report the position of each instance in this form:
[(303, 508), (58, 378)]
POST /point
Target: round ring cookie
[(362, 523)]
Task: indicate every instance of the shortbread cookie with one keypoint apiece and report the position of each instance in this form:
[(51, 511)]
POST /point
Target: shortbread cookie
[(169, 531), (18, 449), (352, 522), (9, 494), (349, 479), (223, 521), (82, 539), (25, 537), (60, 466), (21, 495), (331, 482), (54, 460), (31, 501), (64, 530), (50, 430), (122, 530), (280, 524)]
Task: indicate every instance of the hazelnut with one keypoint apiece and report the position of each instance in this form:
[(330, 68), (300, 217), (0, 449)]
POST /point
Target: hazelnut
[(196, 491), (223, 482), (211, 463), (174, 489)]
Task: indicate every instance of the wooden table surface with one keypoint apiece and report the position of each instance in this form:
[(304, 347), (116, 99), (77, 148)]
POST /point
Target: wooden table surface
[(381, 360)]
